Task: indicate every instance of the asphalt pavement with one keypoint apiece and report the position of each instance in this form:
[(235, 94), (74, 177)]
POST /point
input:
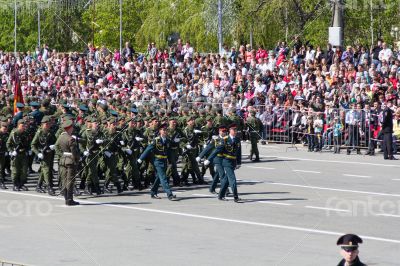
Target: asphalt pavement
[(295, 206)]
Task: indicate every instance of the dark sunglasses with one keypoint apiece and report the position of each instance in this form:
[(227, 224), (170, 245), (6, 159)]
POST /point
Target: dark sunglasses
[(349, 249)]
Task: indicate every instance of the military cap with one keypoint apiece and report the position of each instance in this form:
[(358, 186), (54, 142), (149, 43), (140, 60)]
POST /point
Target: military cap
[(163, 125), (232, 126), (83, 107), (113, 113), (223, 128), (173, 118), (21, 121), (20, 105), (4, 118), (111, 120), (191, 117), (67, 123), (34, 104), (45, 119), (209, 118), (349, 241), (93, 101), (3, 124), (151, 119)]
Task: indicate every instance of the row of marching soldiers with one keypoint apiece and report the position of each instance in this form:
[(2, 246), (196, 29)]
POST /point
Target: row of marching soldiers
[(109, 147)]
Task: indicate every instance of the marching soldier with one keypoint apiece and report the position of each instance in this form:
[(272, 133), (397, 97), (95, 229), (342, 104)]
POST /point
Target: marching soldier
[(3, 152), (18, 145), (43, 146), (217, 161), (112, 140), (150, 134), (190, 146), (254, 126), (160, 149), (133, 141), (208, 133), (67, 149), (230, 148), (175, 135), (92, 147)]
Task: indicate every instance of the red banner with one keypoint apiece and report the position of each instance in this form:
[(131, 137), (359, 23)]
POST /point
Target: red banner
[(18, 98)]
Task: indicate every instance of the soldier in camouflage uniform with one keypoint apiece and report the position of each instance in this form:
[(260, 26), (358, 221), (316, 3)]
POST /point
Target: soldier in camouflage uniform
[(149, 135), (111, 149), (92, 140), (133, 142), (254, 126), (208, 132), (175, 135), (18, 145), (189, 146), (43, 146)]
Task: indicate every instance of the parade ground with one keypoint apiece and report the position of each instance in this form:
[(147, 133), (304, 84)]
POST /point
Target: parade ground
[(295, 206)]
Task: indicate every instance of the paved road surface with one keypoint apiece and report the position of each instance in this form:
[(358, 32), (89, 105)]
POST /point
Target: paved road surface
[(296, 205)]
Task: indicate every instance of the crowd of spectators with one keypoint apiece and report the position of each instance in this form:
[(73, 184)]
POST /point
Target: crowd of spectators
[(296, 89)]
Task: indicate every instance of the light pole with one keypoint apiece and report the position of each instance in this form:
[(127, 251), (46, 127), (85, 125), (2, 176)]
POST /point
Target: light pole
[(220, 26), (120, 26), (15, 28), (38, 17)]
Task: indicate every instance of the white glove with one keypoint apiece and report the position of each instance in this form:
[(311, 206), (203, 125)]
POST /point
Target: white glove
[(29, 153), (139, 161), (14, 153), (40, 155), (177, 140), (198, 159), (138, 139), (74, 137), (204, 146), (196, 131), (215, 137), (52, 147), (86, 153), (189, 147), (237, 166), (122, 143), (107, 153), (99, 141), (128, 151), (206, 162)]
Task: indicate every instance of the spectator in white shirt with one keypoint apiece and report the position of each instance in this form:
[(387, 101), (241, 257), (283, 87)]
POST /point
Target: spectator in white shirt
[(386, 53)]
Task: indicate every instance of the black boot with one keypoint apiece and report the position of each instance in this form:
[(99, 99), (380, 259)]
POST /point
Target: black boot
[(106, 189), (51, 191), (2, 185), (119, 189), (88, 190)]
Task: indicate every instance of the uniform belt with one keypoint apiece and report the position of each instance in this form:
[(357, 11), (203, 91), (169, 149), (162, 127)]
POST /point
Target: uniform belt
[(220, 155), (67, 153), (229, 156), (161, 156)]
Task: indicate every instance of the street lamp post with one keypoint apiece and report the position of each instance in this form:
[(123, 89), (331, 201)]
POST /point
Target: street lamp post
[(394, 32)]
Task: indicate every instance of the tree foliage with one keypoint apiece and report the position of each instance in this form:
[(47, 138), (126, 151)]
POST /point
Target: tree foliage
[(147, 21)]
